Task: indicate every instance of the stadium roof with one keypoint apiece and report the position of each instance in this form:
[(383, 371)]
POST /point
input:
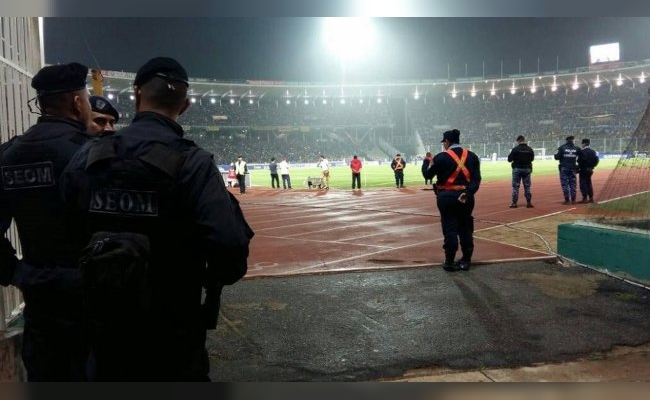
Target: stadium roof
[(612, 74)]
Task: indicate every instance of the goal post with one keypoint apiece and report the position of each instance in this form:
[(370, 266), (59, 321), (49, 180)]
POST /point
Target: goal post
[(540, 153)]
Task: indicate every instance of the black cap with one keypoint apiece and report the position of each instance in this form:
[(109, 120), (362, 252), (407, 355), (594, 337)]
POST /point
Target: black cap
[(586, 141), (102, 105), (163, 67), (521, 138), (398, 155), (61, 78), (452, 136), (570, 138)]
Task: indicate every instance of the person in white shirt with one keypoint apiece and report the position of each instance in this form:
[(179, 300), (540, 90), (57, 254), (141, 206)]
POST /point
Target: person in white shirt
[(284, 171), (324, 165), (240, 171)]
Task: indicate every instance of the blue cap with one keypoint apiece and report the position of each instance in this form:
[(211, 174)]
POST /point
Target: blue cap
[(103, 106)]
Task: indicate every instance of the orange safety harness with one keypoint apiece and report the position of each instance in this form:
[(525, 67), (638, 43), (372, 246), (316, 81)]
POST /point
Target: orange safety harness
[(460, 167)]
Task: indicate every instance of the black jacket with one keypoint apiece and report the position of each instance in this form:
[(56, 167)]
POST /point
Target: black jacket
[(32, 164), (521, 156), (588, 159), (444, 166)]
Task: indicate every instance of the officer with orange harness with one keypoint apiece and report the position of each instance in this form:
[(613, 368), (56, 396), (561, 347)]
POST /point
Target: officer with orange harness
[(459, 177)]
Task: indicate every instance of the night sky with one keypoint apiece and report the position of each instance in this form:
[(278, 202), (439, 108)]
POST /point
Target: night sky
[(292, 49)]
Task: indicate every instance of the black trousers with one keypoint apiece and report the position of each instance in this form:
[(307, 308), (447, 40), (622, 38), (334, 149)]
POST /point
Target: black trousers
[(356, 180), (241, 180), (586, 188), (457, 223), (275, 181), (54, 349)]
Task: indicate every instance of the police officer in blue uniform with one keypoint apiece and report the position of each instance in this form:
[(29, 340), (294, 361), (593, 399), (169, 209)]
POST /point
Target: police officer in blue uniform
[(104, 116), (568, 154), (146, 179), (458, 179), (54, 344)]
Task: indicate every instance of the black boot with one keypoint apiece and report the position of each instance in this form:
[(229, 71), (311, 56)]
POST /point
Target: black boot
[(449, 264), (465, 261)]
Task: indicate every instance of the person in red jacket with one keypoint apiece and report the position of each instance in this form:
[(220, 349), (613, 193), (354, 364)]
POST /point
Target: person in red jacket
[(355, 166)]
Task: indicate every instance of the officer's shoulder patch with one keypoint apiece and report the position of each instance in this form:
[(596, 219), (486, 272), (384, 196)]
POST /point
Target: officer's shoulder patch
[(27, 176)]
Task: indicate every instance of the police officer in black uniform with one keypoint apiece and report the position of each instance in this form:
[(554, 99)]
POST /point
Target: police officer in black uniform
[(587, 161), (148, 180), (521, 158), (459, 177), (568, 154), (54, 344)]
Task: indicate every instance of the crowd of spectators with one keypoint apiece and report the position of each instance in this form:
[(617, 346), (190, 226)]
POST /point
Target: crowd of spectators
[(604, 112), (259, 147), (278, 113), (302, 131)]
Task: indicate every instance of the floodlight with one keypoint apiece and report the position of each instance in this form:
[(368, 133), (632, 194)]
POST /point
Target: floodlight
[(250, 101), (324, 101), (453, 95), (342, 101), (619, 80), (553, 88), (360, 101), (473, 93), (110, 96), (212, 100), (533, 89), (493, 92), (288, 101), (306, 101), (232, 101), (348, 38), (193, 100), (513, 90), (132, 97), (378, 99), (575, 86)]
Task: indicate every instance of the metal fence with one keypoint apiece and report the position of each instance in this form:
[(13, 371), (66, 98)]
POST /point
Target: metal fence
[(20, 57)]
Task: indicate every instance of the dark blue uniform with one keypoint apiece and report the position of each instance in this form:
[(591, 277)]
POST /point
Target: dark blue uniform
[(54, 344), (567, 155), (587, 161), (455, 216), (147, 179)]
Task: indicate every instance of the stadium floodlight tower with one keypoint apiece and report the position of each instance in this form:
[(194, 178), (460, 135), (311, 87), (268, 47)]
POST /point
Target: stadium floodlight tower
[(349, 39)]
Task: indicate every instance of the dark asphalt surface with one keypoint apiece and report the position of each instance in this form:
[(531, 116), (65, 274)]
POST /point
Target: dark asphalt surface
[(362, 326)]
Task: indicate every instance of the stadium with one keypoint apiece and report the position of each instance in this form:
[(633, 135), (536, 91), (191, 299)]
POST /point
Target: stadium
[(355, 247)]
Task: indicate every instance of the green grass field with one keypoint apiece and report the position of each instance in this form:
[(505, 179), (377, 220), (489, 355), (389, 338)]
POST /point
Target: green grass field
[(373, 176)]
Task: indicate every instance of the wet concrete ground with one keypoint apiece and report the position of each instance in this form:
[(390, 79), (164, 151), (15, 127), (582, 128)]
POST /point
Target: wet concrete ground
[(384, 325)]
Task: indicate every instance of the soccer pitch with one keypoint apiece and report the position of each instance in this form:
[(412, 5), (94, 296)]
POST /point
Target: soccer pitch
[(381, 176)]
